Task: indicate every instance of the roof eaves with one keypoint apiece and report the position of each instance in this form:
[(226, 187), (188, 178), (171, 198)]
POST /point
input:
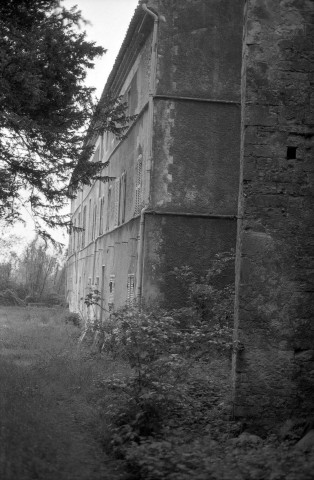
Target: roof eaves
[(136, 21)]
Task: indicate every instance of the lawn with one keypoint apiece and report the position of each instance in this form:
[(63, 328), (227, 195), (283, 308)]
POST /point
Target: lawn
[(48, 419)]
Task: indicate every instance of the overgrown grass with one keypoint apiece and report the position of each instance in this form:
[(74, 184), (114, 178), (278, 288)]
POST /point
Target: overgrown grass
[(48, 417), (158, 397)]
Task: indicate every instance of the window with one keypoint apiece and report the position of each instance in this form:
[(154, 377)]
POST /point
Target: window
[(130, 289), (79, 232), (108, 208), (122, 197), (84, 227), (101, 213), (128, 101), (291, 153), (138, 185), (74, 236), (111, 291), (116, 201), (94, 222), (90, 223)]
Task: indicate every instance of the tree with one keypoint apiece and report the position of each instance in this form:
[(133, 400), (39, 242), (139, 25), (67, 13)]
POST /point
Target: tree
[(40, 273), (46, 110)]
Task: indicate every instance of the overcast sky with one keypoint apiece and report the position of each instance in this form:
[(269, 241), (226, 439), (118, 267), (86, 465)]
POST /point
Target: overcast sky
[(109, 21)]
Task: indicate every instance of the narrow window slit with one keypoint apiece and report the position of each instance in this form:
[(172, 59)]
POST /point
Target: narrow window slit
[(291, 153)]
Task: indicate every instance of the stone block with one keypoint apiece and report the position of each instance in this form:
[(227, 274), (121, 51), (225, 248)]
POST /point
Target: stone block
[(260, 115)]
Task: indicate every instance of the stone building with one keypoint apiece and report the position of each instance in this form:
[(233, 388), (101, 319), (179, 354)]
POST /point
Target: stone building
[(173, 197), (273, 371), (222, 89)]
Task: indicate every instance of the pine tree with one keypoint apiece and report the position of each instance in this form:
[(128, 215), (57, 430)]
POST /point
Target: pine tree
[(46, 110)]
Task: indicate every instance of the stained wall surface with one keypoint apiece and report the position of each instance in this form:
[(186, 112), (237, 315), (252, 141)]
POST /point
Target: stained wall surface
[(197, 106), (187, 136), (174, 241), (103, 254), (273, 370)]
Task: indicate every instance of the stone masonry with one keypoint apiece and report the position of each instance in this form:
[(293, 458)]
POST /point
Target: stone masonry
[(273, 366)]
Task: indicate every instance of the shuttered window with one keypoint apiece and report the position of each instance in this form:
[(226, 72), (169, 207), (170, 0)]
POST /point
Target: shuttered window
[(90, 222), (101, 213), (74, 236), (122, 197), (111, 291), (116, 201), (138, 185), (108, 208), (84, 227), (95, 220), (130, 289), (79, 233)]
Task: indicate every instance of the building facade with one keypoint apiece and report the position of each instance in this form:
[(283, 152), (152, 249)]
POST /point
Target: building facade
[(222, 90), (172, 199), (273, 371)]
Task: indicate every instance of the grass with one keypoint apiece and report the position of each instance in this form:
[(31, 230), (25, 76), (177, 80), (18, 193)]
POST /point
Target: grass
[(61, 417), (49, 421)]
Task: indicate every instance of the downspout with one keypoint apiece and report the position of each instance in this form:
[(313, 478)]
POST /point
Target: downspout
[(152, 88)]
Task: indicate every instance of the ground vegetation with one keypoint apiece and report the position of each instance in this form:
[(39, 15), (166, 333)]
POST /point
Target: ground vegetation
[(172, 414), (35, 275)]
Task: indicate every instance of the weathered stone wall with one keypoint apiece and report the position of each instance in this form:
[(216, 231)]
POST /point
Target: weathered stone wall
[(273, 370), (196, 141), (198, 47), (197, 106), (174, 241), (196, 157)]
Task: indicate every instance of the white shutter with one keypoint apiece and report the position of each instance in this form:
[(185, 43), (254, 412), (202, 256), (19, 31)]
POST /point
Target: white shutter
[(130, 290), (111, 291), (116, 201), (109, 207), (138, 185)]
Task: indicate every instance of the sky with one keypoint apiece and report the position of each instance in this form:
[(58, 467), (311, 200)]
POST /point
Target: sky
[(108, 24), (109, 21)]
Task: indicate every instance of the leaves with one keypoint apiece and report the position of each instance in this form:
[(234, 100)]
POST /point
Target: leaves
[(48, 117)]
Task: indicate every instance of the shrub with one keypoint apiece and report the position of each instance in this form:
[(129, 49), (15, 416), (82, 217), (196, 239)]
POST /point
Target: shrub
[(73, 318), (205, 459), (10, 298)]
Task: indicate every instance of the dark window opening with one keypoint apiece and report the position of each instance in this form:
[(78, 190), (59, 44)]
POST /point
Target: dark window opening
[(291, 153)]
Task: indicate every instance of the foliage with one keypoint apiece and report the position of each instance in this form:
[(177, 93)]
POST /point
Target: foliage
[(171, 419), (9, 297), (36, 275), (73, 318), (169, 353), (46, 111), (41, 271), (205, 459), (212, 294)]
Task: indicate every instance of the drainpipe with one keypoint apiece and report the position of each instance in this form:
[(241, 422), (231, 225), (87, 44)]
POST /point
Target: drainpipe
[(152, 88), (140, 257)]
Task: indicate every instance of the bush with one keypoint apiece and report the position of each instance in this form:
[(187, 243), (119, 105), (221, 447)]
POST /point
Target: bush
[(73, 318), (205, 459), (52, 298), (10, 298), (171, 417)]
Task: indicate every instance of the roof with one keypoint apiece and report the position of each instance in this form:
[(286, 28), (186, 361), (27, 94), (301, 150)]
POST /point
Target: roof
[(139, 19)]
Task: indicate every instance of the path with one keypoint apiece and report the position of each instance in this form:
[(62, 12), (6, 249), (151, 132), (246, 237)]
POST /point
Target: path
[(47, 418)]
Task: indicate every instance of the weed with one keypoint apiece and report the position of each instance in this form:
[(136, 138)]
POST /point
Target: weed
[(47, 414)]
